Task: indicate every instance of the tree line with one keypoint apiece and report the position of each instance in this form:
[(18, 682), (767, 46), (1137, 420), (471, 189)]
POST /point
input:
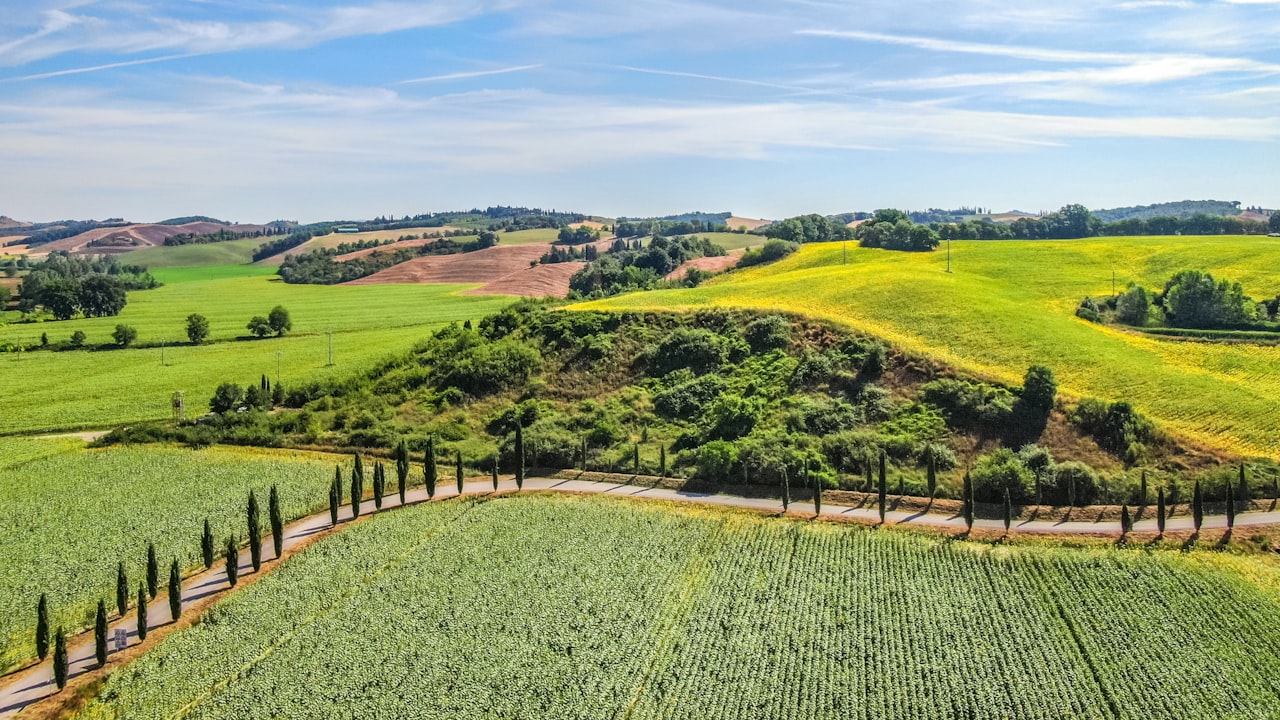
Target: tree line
[(321, 267), (65, 286)]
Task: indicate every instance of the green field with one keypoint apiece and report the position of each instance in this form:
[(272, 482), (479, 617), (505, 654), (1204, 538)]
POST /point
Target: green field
[(95, 388), (577, 607), (232, 252), (734, 241), (1009, 305), (68, 515)]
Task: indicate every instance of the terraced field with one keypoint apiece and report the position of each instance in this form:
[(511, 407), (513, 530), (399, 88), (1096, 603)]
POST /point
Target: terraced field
[(575, 607), (1008, 305), (68, 515)]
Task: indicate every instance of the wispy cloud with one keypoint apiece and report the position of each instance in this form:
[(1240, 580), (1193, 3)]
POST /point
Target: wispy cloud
[(96, 68), (468, 75)]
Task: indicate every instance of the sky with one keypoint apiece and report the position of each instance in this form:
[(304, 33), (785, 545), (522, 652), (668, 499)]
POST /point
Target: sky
[(256, 110)]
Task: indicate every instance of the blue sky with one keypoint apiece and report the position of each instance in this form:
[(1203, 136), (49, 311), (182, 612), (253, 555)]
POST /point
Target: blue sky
[(253, 111)]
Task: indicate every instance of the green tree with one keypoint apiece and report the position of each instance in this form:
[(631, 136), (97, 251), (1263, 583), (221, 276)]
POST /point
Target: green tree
[(357, 489), (101, 296), (1126, 520), (277, 521), (335, 495), (1008, 511), (429, 470), (1035, 403), (100, 633), (817, 495), (519, 455), (206, 545), (1197, 507), (42, 626), (226, 398), (1142, 489), (231, 558), (255, 532), (78, 339), (494, 467), (402, 469), (141, 609), (1134, 306), (175, 591), (259, 326), (197, 328), (1274, 222), (60, 665), (662, 461), (967, 500), (124, 335), (931, 474), (279, 320), (1242, 489), (786, 490), (882, 490), (1160, 510), (122, 590), (458, 470), (153, 571)]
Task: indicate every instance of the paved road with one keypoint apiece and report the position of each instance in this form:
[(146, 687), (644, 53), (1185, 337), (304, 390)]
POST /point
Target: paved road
[(21, 689)]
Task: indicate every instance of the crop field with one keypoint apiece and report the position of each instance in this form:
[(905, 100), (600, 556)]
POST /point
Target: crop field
[(68, 515), (232, 252), (1009, 305), (96, 388), (599, 607)]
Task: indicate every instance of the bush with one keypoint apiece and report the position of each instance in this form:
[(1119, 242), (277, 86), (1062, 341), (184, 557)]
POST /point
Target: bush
[(226, 398), (1000, 472), (716, 460), (1134, 306), (973, 405), (1035, 403), (771, 332), (731, 416), (699, 350), (124, 335), (1117, 427), (687, 401), (1084, 479), (772, 251)]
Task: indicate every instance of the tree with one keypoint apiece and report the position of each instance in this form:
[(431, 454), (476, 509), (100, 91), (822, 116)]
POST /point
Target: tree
[(1142, 490), (495, 473), (1008, 511), (1193, 299), (124, 335), (259, 326), (519, 455), (429, 470), (458, 470), (226, 398), (60, 665), (175, 591), (1126, 520), (882, 494), (817, 496), (100, 633), (1034, 404), (153, 571), (277, 521), (42, 627), (1274, 222), (206, 545), (197, 328), (402, 469), (357, 489), (122, 590), (967, 500), (1134, 306), (377, 486), (78, 339), (635, 459), (1160, 511), (231, 557), (279, 320), (101, 296), (1242, 489), (335, 495), (277, 394), (142, 613), (1197, 507), (255, 532)]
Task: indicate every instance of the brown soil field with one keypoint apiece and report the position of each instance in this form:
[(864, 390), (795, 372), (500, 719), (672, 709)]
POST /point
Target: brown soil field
[(501, 270), (710, 264), (587, 223), (540, 281), (133, 237), (736, 222), (333, 240), (855, 223)]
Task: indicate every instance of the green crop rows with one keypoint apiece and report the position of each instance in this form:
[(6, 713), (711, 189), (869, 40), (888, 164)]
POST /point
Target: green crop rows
[(592, 607), (68, 516)]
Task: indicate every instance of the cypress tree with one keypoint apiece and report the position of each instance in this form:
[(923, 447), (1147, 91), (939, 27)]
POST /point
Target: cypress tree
[(60, 665), (662, 461), (357, 489), (882, 491), (142, 613), (495, 473), (429, 466), (1142, 490), (519, 456), (1008, 511), (1231, 508), (175, 591), (402, 469), (635, 459), (931, 475), (232, 560), (277, 522), (153, 571), (458, 469), (967, 500), (358, 471), (122, 590), (1126, 521), (1242, 489), (206, 545), (1197, 507), (379, 485), (786, 490), (42, 626), (335, 496), (884, 477), (817, 497), (1160, 511), (255, 533), (100, 633)]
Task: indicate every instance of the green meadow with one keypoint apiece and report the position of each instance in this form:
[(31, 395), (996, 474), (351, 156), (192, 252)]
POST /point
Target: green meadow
[(1009, 305), (232, 252)]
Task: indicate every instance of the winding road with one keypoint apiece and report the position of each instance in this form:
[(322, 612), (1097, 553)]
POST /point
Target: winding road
[(25, 687)]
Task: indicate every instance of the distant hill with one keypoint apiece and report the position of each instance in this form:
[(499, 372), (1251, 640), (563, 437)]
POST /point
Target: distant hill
[(1182, 210), (704, 218), (8, 223), (192, 219)]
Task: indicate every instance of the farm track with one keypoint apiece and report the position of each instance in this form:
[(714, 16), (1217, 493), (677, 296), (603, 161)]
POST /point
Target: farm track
[(28, 686)]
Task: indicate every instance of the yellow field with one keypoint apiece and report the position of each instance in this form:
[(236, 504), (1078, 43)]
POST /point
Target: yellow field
[(1009, 305)]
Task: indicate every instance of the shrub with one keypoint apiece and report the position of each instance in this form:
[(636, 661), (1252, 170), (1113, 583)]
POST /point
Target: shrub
[(716, 460), (1075, 483), (1035, 402), (226, 398), (197, 328), (688, 401), (731, 417), (771, 332), (1000, 472), (124, 335), (972, 405), (771, 251), (1134, 306), (699, 350)]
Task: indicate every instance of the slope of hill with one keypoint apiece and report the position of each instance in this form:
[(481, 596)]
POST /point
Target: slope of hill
[(1010, 305), (503, 270), (1182, 209), (8, 223), (132, 237)]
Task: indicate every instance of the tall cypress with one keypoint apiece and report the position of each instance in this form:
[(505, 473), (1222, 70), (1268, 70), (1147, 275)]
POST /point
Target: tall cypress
[(379, 485), (1008, 511), (1142, 490), (1160, 511), (884, 476), (175, 591), (255, 532), (335, 496), (967, 500), (142, 613), (1126, 520), (494, 467), (786, 490), (232, 560), (882, 491), (60, 665), (1231, 508), (817, 496), (402, 469), (357, 489), (100, 633), (42, 626), (635, 459), (153, 571), (662, 461), (122, 590), (458, 469), (1242, 489), (931, 475), (206, 545), (358, 471), (519, 455), (277, 521), (429, 466), (1197, 507)]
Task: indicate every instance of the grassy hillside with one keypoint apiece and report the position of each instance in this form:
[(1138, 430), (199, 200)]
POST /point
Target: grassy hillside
[(71, 514), (232, 252), (94, 388), (602, 607), (1009, 305)]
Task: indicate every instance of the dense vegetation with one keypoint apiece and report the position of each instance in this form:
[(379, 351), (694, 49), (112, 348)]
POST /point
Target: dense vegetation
[(44, 233), (220, 235), (1182, 210), (65, 286), (321, 267), (562, 607), (631, 265), (1191, 299)]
